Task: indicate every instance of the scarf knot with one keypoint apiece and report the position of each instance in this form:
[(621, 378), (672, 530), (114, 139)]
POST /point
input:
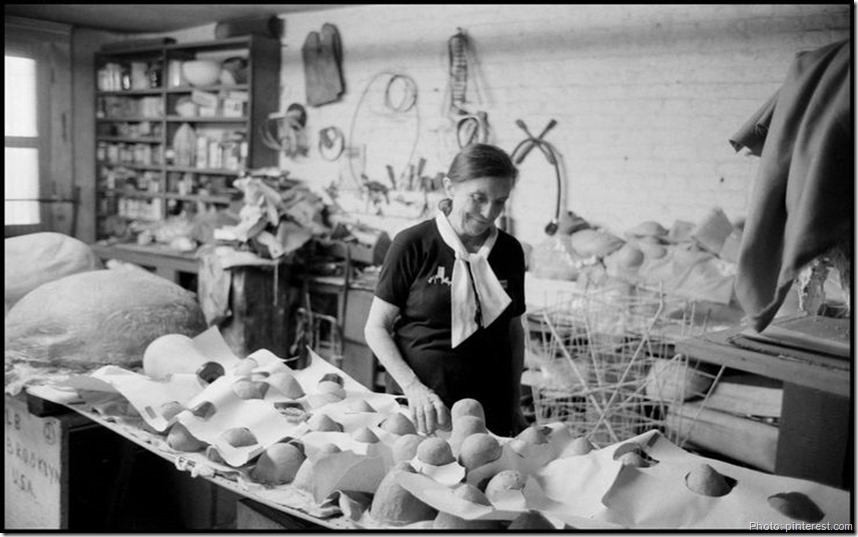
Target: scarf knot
[(477, 298)]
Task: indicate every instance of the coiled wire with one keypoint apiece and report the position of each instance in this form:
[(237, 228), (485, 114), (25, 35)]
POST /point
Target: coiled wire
[(404, 105)]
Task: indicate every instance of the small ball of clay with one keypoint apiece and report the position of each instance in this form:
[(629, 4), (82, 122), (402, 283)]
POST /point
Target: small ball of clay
[(796, 505), (171, 409), (467, 407), (580, 446), (239, 437), (479, 449), (323, 423), (359, 405), (278, 464), (249, 389), (180, 439), (405, 447), (705, 480), (285, 383), (533, 435), (398, 424), (365, 435), (329, 386), (465, 426), (435, 451), (503, 481)]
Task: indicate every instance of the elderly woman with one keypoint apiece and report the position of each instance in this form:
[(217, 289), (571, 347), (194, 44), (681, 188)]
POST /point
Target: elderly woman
[(445, 320)]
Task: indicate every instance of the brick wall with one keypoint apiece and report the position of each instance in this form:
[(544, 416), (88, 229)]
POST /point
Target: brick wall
[(645, 96)]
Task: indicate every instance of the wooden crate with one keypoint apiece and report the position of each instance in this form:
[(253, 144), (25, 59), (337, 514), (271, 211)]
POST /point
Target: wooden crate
[(36, 469)]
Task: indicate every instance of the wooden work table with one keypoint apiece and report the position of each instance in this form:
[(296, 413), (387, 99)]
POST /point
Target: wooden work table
[(166, 262), (816, 425), (72, 469)]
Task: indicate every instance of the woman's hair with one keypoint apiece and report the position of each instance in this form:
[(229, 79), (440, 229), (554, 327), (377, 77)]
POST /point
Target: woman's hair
[(479, 160)]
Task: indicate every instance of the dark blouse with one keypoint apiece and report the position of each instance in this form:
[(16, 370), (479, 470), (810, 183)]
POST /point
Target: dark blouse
[(416, 277)]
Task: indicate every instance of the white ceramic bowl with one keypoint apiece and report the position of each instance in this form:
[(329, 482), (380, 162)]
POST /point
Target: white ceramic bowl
[(201, 72)]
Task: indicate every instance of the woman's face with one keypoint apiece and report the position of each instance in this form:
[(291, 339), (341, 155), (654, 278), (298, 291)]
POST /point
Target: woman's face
[(477, 203)]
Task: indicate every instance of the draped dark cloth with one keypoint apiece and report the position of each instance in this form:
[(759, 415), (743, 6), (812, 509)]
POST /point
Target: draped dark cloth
[(802, 202)]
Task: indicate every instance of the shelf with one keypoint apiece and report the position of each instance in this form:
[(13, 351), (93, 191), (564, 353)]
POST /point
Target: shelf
[(202, 171), (142, 167), (131, 93), (205, 199), (225, 199), (129, 139), (197, 119), (130, 119), (213, 87), (131, 193), (155, 107), (220, 44)]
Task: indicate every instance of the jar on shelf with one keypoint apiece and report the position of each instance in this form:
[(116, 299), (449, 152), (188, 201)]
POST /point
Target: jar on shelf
[(154, 74)]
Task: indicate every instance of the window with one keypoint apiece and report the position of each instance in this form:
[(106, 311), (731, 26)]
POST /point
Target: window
[(37, 100), (21, 167)]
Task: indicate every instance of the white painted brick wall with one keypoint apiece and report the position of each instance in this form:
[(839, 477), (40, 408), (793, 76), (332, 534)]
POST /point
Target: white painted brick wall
[(646, 96)]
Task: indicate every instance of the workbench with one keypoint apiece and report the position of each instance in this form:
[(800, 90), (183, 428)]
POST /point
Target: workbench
[(261, 297), (178, 267), (349, 302), (816, 425), (72, 469)]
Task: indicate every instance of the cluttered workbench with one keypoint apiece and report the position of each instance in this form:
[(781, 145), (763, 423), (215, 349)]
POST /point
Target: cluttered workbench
[(347, 450)]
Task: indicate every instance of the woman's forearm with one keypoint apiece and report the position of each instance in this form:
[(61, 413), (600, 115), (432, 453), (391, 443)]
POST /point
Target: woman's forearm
[(384, 348)]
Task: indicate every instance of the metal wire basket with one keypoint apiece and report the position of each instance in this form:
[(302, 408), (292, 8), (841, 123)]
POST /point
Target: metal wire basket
[(609, 368)]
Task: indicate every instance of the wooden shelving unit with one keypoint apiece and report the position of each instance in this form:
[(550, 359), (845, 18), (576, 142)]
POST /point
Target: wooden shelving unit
[(144, 173)]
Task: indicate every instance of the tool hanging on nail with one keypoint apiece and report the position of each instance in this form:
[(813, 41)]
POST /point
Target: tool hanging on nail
[(471, 129), (331, 143), (457, 50), (463, 70), (286, 131), (521, 151)]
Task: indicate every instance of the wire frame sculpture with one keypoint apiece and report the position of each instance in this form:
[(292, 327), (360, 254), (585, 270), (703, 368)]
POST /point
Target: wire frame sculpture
[(609, 367)]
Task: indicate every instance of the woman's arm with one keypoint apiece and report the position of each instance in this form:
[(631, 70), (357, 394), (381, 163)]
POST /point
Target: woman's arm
[(516, 334), (427, 409)]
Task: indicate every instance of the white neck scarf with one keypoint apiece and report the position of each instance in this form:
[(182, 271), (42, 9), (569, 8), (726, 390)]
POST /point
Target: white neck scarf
[(476, 296)]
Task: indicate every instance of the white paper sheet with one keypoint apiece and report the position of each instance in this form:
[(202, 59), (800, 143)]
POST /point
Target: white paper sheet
[(598, 488)]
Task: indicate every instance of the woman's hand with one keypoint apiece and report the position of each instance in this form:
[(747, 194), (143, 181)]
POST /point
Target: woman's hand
[(427, 410)]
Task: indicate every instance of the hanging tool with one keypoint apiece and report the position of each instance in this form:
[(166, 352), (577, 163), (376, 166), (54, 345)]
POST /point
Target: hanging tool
[(420, 165), (391, 176), (524, 147), (456, 48), (473, 128), (331, 143), (530, 142)]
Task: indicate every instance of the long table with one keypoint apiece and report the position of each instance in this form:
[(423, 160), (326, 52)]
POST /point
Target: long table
[(63, 420)]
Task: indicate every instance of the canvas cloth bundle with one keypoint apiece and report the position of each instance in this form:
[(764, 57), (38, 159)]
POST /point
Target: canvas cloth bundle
[(476, 296), (322, 55)]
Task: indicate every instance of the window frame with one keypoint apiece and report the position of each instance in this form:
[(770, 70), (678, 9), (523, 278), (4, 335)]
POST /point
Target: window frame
[(37, 40)]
